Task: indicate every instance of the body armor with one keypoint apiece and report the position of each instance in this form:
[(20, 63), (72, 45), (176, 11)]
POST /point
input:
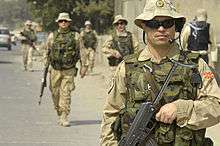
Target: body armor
[(124, 45), (140, 89), (29, 35), (199, 37), (64, 52), (89, 39)]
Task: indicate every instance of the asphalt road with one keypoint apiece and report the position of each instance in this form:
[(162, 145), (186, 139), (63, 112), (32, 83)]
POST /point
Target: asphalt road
[(24, 123)]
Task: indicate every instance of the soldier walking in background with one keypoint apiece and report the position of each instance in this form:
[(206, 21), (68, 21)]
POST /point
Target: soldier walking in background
[(64, 54), (88, 47), (120, 43), (190, 102), (27, 37), (198, 37)]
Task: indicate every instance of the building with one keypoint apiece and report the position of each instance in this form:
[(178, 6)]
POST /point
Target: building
[(130, 9)]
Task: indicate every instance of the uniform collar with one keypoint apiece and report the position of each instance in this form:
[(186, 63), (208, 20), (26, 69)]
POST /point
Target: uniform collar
[(146, 54), (124, 33)]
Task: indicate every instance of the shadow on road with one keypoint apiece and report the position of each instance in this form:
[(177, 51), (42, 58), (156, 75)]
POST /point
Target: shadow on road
[(85, 122), (6, 62)]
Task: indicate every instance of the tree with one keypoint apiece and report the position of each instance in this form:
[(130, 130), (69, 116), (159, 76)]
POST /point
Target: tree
[(99, 12), (13, 13)]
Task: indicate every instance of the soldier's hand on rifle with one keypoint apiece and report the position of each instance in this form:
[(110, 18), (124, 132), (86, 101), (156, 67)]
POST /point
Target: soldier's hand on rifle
[(116, 54), (167, 113)]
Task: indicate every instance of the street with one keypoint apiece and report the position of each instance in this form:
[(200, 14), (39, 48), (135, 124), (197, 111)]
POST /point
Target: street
[(25, 123)]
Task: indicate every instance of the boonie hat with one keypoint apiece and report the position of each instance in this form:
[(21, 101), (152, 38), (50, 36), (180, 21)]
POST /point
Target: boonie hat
[(155, 8), (119, 17), (28, 22), (63, 16), (88, 23)]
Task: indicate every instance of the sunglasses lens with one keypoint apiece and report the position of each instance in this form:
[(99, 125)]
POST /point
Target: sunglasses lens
[(121, 23), (61, 21), (168, 23), (152, 24), (155, 24)]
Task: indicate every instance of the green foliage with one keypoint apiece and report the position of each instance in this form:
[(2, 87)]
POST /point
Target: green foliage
[(99, 12), (13, 13)]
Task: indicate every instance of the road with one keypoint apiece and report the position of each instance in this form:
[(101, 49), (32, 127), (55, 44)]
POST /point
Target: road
[(24, 123)]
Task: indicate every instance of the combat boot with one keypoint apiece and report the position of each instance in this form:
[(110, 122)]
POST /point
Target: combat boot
[(63, 121)]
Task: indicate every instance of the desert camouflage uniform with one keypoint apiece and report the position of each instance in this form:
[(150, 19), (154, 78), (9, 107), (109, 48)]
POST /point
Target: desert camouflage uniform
[(197, 114)]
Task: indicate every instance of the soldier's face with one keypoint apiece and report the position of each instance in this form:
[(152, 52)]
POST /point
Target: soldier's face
[(28, 26), (120, 26), (159, 30), (63, 24), (88, 27)]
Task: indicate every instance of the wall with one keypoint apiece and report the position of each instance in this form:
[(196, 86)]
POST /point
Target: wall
[(132, 8)]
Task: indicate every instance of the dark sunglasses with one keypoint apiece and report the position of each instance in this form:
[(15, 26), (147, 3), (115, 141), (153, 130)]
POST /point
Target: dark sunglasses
[(61, 21), (120, 23), (155, 24)]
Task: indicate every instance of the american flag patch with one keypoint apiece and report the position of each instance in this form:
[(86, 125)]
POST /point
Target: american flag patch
[(208, 75)]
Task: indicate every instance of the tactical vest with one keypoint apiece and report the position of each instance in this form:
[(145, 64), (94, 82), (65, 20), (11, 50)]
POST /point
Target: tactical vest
[(89, 39), (29, 35), (64, 53), (199, 37), (140, 90), (124, 45)]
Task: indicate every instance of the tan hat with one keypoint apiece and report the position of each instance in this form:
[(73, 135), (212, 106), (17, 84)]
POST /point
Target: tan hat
[(119, 17), (28, 22), (63, 16), (201, 15), (88, 23), (155, 8)]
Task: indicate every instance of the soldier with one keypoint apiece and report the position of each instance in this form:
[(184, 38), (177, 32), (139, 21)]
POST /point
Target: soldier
[(88, 48), (187, 107), (64, 54), (198, 37), (120, 43), (27, 37)]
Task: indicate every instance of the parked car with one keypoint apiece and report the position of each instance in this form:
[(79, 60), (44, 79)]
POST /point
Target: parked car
[(5, 38)]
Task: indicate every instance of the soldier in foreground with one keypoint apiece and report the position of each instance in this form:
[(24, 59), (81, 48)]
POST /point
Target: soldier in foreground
[(187, 108), (28, 38), (64, 54), (198, 37), (88, 48), (120, 43)]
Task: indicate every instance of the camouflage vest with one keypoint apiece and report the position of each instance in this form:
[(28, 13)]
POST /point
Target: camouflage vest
[(140, 90), (124, 45), (29, 35), (89, 39), (64, 53)]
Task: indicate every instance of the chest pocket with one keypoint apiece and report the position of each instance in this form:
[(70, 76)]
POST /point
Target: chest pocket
[(176, 86)]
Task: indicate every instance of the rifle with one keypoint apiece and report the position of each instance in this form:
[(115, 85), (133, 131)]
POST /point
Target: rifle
[(140, 131), (29, 41), (44, 79)]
